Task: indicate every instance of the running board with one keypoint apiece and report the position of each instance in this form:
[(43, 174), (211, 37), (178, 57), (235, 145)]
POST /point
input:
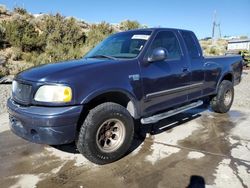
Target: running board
[(158, 117)]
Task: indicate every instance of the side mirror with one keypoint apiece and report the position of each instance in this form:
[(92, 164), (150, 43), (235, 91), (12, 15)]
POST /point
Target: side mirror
[(158, 54)]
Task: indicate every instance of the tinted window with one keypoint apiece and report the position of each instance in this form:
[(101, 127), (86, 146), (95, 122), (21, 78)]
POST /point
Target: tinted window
[(190, 43), (167, 40)]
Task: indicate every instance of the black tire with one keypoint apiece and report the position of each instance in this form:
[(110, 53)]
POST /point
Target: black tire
[(222, 102), (94, 129)]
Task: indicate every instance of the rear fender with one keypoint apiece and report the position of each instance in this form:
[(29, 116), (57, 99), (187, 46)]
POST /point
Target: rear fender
[(225, 76)]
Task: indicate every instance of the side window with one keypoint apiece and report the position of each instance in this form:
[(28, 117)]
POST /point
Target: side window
[(190, 43), (167, 40)]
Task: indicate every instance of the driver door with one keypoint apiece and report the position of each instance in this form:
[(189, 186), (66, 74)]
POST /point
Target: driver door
[(165, 82)]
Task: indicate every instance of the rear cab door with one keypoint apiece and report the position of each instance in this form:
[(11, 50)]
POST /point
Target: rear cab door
[(196, 65)]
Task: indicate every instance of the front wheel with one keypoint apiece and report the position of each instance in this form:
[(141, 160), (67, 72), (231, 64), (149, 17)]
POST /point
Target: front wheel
[(222, 102), (106, 133)]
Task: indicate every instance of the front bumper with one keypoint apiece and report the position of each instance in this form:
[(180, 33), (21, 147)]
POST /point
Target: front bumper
[(44, 125)]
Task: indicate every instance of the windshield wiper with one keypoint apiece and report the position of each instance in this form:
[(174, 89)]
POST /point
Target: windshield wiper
[(102, 56)]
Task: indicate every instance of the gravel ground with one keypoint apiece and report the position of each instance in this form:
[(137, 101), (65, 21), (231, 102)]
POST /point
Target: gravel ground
[(242, 91), (4, 95)]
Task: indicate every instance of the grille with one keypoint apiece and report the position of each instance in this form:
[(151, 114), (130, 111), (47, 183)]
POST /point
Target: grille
[(21, 92)]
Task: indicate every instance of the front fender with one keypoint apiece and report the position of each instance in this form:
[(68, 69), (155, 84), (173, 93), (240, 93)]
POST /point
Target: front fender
[(99, 92)]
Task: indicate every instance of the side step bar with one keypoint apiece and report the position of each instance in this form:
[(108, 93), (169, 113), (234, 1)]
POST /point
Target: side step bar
[(158, 117)]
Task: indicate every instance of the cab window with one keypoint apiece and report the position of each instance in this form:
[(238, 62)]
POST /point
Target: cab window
[(167, 40), (190, 44)]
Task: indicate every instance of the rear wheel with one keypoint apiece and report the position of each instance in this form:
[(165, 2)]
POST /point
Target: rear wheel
[(106, 133), (222, 102)]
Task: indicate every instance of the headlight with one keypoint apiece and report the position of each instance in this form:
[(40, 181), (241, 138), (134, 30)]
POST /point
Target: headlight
[(53, 93)]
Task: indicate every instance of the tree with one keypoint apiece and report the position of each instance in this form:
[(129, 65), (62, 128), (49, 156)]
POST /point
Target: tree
[(129, 25), (64, 37), (2, 35), (59, 29), (21, 11), (50, 38), (21, 33), (98, 32)]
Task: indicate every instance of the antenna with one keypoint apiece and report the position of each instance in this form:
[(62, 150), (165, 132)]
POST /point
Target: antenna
[(215, 26)]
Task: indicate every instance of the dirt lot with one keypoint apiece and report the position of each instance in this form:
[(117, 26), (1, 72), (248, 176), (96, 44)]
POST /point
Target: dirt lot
[(196, 147)]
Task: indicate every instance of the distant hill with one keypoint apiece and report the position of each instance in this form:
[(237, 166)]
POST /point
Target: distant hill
[(28, 39), (212, 48)]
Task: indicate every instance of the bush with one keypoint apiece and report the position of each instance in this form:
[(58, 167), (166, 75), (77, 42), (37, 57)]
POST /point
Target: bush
[(17, 54), (59, 30), (49, 38), (21, 11), (129, 25), (3, 70), (211, 48), (246, 56), (41, 59), (213, 51), (23, 35), (63, 36), (98, 32), (56, 37), (2, 35)]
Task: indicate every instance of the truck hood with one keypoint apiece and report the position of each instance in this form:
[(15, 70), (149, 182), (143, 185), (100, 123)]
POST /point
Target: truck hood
[(61, 72)]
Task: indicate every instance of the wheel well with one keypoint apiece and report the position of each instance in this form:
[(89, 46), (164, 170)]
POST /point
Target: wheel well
[(115, 97), (228, 77)]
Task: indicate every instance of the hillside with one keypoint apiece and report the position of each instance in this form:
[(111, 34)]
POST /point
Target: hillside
[(28, 40), (211, 48)]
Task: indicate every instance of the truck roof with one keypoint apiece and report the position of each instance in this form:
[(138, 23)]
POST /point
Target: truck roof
[(157, 29)]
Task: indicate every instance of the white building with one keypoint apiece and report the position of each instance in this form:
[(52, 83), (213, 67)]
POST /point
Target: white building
[(239, 44)]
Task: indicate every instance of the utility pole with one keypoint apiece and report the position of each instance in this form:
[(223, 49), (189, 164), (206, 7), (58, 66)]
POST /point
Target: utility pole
[(216, 26)]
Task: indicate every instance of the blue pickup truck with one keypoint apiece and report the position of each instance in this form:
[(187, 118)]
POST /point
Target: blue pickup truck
[(145, 74)]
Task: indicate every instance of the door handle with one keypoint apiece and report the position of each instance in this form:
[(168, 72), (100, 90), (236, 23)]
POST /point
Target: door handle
[(185, 69)]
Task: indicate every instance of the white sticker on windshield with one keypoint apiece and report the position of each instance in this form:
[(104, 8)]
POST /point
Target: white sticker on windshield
[(142, 37)]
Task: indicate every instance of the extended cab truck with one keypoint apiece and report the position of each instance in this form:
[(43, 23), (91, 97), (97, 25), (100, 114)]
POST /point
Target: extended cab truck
[(146, 74)]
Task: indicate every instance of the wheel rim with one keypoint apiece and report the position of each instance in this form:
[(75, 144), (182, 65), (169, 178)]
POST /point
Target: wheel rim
[(228, 97), (110, 135)]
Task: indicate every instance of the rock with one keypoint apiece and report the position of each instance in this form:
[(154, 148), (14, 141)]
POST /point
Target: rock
[(5, 91), (7, 79), (2, 60)]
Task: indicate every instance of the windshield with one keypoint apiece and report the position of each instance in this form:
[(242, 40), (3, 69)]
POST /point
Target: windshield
[(121, 45)]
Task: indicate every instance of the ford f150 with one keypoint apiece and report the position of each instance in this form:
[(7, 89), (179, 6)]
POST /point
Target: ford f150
[(145, 74)]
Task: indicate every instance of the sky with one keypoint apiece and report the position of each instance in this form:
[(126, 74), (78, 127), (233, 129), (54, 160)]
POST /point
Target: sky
[(195, 15)]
